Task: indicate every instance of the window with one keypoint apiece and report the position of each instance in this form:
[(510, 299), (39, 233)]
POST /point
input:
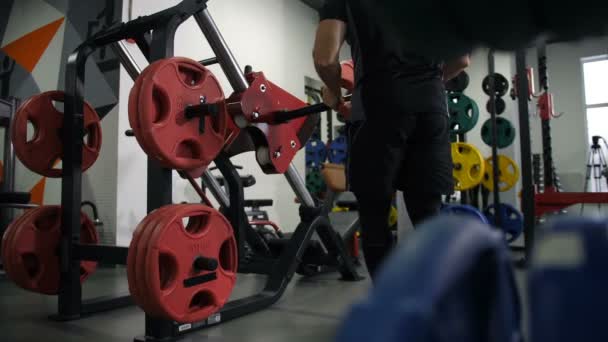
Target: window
[(595, 75)]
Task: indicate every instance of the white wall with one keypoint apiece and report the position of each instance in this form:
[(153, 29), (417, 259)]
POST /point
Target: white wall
[(274, 36)]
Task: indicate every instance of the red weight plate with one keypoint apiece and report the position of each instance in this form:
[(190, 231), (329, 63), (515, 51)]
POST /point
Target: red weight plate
[(161, 221), (7, 240), (133, 275), (165, 93), (11, 255), (40, 153), (133, 117), (34, 260), (146, 299), (348, 75), (183, 293)]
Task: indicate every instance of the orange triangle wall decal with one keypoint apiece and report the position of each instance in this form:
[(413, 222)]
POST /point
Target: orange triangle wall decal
[(28, 50)]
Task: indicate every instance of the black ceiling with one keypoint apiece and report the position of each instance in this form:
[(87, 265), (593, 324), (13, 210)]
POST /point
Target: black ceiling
[(316, 4)]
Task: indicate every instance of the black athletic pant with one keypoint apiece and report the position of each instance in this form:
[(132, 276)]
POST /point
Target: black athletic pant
[(396, 148)]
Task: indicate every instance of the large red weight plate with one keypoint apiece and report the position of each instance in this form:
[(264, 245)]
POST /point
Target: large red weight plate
[(348, 75), (32, 251), (7, 239), (165, 91), (180, 291), (138, 244), (45, 146)]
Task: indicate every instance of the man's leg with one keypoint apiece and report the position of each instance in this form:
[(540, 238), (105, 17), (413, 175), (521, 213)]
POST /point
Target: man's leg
[(421, 206), (375, 156)]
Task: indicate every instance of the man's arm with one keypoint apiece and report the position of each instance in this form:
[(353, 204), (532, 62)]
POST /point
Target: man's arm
[(454, 67), (328, 42)]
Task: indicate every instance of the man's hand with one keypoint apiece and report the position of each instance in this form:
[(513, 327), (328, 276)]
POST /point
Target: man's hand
[(332, 100), (454, 67)]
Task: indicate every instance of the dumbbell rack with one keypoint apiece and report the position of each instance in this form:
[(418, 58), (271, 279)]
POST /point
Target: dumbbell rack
[(160, 45)]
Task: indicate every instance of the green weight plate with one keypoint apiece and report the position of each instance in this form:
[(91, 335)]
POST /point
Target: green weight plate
[(464, 113), (314, 182), (506, 132), (501, 106), (501, 85)]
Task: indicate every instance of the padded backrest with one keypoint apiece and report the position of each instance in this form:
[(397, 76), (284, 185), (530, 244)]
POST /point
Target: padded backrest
[(451, 281), (568, 282)]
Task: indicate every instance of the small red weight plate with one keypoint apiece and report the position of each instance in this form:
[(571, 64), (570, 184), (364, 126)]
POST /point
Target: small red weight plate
[(7, 240), (173, 85), (133, 272), (40, 153), (34, 259), (182, 292), (348, 75), (133, 117)]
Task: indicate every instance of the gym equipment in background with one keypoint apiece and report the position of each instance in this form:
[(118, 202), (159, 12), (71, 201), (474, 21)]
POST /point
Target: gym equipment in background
[(278, 126), (464, 210), (463, 111), (451, 270), (29, 249), (459, 83), (500, 105), (177, 283), (338, 150), (316, 153), (501, 85), (506, 132), (469, 166), (508, 174), (511, 220), (40, 152), (567, 282)]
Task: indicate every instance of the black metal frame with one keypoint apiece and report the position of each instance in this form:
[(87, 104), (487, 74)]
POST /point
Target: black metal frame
[(157, 46)]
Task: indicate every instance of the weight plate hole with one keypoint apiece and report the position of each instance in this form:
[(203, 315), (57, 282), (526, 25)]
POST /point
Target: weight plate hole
[(83, 271), (56, 164), (188, 149), (59, 105), (32, 131), (226, 259), (48, 221), (201, 300), (161, 105), (167, 271), (91, 138), (31, 263), (196, 225), (189, 76)]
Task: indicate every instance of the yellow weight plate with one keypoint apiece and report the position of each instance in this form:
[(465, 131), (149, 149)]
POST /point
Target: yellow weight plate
[(393, 216), (469, 166), (508, 172)]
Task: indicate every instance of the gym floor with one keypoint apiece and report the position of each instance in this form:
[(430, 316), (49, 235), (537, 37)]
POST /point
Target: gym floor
[(310, 310)]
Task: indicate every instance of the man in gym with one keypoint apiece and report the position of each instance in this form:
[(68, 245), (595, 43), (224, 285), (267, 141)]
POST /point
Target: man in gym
[(399, 123)]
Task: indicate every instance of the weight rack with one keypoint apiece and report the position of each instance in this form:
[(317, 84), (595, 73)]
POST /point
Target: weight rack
[(157, 46)]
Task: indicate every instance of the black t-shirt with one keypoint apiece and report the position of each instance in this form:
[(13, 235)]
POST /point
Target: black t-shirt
[(379, 63)]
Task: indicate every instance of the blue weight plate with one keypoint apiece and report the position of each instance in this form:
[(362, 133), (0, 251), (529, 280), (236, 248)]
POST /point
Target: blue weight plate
[(512, 221), (464, 210), (338, 150), (316, 153)]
